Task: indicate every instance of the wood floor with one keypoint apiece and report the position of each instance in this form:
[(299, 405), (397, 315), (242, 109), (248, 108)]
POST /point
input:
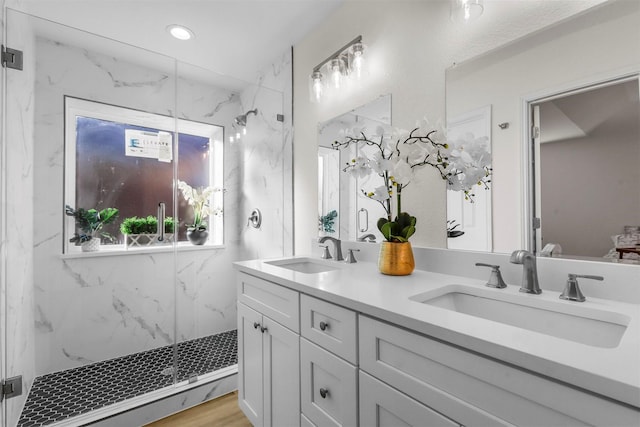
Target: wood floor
[(222, 411)]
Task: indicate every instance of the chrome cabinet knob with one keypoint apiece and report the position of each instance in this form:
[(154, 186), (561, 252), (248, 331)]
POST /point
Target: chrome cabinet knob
[(324, 326), (324, 393)]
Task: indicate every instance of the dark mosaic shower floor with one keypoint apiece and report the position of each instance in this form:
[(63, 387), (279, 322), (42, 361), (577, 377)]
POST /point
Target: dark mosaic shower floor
[(61, 395)]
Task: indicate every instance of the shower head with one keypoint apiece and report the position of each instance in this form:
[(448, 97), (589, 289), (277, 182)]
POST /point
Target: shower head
[(241, 120)]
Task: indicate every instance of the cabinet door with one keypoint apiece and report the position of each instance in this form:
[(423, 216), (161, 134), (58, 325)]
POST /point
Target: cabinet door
[(381, 405), (250, 364), (281, 375), (328, 387)]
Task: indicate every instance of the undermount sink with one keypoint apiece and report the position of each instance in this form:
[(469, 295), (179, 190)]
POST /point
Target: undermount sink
[(584, 325), (305, 265)]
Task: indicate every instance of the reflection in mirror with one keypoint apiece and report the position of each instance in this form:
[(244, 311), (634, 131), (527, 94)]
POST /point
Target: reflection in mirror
[(469, 224), (587, 172), (342, 206), (599, 45)]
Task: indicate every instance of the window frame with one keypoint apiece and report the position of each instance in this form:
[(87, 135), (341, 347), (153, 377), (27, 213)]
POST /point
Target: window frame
[(74, 107)]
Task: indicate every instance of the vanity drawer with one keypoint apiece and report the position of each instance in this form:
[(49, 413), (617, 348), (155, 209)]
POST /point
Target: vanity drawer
[(381, 405), (457, 383), (277, 302), (330, 326), (329, 387)]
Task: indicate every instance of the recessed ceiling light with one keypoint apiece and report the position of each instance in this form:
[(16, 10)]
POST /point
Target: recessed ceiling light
[(180, 32)]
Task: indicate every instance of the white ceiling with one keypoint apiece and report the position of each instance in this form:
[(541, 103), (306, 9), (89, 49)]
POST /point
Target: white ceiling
[(232, 37), (239, 37)]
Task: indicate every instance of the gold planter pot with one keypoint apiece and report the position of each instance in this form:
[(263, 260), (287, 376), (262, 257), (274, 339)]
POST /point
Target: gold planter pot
[(396, 259)]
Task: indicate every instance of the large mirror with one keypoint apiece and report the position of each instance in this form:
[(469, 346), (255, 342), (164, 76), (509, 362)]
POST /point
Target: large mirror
[(343, 211), (594, 56)]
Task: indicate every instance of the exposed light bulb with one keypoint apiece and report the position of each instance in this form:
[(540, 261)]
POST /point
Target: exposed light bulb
[(238, 135), (336, 75), (231, 139), (357, 63), (244, 130), (466, 10), (317, 86)]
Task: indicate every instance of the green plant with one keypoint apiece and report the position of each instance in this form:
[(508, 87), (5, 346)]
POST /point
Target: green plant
[(90, 222), (399, 230), (148, 225), (326, 222)]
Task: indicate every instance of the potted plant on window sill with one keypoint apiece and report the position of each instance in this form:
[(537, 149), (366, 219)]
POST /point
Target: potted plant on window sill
[(142, 232), (200, 201), (90, 222)]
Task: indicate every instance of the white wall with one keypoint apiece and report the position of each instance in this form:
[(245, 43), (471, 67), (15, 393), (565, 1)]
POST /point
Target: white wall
[(410, 46), (595, 46), (600, 187)]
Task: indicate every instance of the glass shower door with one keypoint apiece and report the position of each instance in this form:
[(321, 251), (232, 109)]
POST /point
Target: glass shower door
[(89, 125)]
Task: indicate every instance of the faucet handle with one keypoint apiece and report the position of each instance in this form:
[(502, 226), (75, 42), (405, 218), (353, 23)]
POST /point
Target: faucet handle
[(572, 289), (495, 279), (326, 254), (350, 258)]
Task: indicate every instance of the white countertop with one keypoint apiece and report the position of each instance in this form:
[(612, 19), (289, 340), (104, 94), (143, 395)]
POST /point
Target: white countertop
[(611, 372)]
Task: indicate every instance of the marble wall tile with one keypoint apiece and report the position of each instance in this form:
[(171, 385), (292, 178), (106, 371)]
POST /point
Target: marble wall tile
[(91, 309), (64, 311)]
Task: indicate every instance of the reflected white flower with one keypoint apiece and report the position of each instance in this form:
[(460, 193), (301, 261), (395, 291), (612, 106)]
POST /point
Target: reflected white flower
[(359, 167), (380, 194), (402, 172)]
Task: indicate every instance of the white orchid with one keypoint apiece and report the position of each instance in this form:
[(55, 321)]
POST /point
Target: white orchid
[(200, 200), (463, 163)]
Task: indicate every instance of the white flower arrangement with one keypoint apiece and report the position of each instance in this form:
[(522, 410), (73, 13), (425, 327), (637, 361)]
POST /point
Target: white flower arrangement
[(463, 163), (200, 200)]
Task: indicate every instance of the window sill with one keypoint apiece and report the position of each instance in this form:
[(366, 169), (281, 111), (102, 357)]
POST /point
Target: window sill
[(119, 250)]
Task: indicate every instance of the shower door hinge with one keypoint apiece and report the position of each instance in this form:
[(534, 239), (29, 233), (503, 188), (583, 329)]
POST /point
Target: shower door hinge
[(536, 223), (11, 387), (11, 58)]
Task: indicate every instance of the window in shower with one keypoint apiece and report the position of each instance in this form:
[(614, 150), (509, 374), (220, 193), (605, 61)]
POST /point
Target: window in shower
[(117, 157)]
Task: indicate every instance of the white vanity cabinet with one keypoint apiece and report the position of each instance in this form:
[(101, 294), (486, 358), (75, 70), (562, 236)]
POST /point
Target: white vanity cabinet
[(268, 353), (474, 390)]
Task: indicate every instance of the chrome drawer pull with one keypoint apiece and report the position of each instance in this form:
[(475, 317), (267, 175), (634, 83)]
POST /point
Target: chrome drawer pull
[(256, 325), (324, 393), (324, 326), (263, 329)]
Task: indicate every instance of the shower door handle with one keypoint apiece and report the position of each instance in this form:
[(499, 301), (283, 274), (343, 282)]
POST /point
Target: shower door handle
[(366, 220), (161, 210)]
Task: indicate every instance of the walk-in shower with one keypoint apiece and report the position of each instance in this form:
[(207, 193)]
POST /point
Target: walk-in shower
[(97, 335)]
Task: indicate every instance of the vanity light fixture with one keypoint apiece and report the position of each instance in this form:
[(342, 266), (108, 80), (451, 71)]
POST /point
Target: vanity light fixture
[(345, 64), (180, 32), (466, 10)]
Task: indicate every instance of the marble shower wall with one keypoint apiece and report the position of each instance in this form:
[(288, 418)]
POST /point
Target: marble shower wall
[(267, 160), (17, 230), (94, 308)]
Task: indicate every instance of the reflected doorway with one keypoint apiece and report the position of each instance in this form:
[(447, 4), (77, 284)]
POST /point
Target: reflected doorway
[(587, 177)]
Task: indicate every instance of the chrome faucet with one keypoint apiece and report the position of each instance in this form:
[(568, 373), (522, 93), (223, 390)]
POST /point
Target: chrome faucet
[(367, 238), (336, 243), (530, 273)]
